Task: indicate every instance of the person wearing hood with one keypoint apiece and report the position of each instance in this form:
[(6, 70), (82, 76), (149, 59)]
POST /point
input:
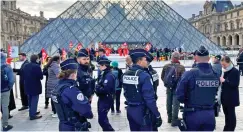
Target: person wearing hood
[(84, 78), (172, 104), (217, 67), (230, 92), (7, 82), (32, 84)]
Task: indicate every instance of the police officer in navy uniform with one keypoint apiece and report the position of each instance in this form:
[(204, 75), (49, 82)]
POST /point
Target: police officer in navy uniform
[(105, 90), (197, 89), (85, 81), (155, 78), (153, 73), (139, 94), (71, 105)]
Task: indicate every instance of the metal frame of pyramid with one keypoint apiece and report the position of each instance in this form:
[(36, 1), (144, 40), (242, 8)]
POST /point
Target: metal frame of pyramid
[(124, 21)]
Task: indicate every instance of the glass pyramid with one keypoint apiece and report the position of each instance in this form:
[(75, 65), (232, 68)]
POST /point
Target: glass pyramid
[(118, 21)]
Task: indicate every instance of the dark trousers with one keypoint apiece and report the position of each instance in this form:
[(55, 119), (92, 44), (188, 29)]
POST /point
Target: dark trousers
[(24, 97), (104, 105), (33, 103), (46, 101), (53, 107), (172, 105), (230, 118), (118, 96)]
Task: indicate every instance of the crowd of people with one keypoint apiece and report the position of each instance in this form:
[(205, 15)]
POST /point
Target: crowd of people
[(70, 87)]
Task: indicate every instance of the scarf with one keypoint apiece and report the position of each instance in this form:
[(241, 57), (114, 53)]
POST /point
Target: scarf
[(228, 68)]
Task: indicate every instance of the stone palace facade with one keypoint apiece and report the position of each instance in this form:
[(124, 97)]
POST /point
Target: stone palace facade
[(222, 22), (16, 25)]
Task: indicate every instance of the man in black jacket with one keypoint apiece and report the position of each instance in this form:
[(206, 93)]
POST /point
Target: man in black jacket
[(24, 98)]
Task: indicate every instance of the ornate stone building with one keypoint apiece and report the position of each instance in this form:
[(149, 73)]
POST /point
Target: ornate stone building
[(16, 25), (222, 22)]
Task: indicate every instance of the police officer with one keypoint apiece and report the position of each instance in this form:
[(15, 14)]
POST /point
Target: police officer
[(155, 78), (197, 90), (153, 73), (71, 105), (139, 94), (85, 81), (105, 90)]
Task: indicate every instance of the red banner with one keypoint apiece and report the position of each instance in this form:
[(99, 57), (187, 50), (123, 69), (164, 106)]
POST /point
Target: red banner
[(9, 50), (80, 46), (44, 55), (64, 54)]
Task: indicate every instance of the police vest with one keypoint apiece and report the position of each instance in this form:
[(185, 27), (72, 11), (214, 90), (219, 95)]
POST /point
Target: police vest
[(86, 83), (64, 111), (102, 78), (155, 78), (132, 88), (205, 89), (4, 79)]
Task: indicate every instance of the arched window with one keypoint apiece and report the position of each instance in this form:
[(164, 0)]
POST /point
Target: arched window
[(231, 26)]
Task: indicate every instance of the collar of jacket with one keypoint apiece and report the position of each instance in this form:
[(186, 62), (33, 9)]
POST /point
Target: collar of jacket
[(68, 81), (175, 61), (136, 67)]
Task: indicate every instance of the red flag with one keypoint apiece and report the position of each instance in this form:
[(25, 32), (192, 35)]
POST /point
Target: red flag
[(9, 60), (80, 46), (70, 45), (44, 55), (64, 54), (9, 50)]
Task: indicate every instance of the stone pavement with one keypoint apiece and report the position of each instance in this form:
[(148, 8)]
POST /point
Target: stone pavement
[(21, 121)]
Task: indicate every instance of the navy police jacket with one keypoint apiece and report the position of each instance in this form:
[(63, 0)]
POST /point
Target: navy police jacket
[(72, 98), (145, 89), (198, 87), (85, 81), (106, 83)]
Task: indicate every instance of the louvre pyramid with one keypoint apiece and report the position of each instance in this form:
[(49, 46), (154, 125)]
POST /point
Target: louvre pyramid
[(118, 21)]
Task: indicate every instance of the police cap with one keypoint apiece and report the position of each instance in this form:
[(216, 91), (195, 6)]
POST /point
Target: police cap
[(149, 57), (69, 64), (137, 53), (83, 53), (104, 61), (202, 51)]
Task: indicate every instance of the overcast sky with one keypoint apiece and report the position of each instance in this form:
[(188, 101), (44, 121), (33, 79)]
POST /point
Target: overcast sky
[(52, 8)]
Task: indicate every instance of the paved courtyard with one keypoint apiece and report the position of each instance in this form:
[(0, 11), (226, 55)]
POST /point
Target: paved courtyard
[(21, 121)]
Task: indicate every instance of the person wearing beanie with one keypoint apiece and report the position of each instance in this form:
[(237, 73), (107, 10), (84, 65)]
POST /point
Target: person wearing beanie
[(197, 89), (7, 82), (84, 78), (117, 72), (105, 90), (71, 105), (172, 104)]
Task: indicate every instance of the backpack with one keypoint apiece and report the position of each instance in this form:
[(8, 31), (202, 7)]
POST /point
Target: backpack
[(4, 77), (170, 78)]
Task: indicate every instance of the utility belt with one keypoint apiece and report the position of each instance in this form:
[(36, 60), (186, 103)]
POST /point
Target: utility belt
[(197, 108), (79, 122), (104, 95), (133, 104)]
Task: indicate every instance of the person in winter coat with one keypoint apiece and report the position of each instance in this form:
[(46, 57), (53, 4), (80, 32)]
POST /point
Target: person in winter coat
[(45, 73), (7, 82), (20, 72), (32, 84), (52, 80), (117, 72), (230, 93)]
